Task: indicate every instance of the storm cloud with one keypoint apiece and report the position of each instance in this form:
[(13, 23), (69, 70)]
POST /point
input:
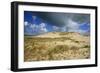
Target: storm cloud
[(61, 19), (61, 22)]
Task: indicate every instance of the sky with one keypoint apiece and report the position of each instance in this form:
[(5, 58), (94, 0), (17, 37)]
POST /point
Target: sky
[(36, 23)]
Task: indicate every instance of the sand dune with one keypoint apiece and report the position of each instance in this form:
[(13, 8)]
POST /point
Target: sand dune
[(57, 46)]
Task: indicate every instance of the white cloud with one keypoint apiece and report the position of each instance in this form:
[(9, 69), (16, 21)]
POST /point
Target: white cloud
[(41, 28), (42, 25), (72, 25), (63, 29), (32, 26), (26, 23), (75, 27), (55, 28)]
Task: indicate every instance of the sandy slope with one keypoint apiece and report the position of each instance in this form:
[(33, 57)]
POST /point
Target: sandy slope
[(72, 35), (57, 46)]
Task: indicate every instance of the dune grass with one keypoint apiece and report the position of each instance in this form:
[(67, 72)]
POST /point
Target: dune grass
[(39, 49)]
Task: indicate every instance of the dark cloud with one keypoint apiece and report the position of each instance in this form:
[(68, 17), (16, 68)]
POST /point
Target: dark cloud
[(61, 19), (62, 22)]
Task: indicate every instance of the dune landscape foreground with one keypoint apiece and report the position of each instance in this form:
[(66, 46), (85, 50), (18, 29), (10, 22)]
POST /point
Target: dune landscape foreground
[(56, 46)]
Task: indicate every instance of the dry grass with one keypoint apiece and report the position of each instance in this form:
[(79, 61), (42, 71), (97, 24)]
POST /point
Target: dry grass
[(39, 49)]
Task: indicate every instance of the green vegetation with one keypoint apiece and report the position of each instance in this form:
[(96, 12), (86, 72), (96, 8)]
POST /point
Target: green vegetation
[(86, 46)]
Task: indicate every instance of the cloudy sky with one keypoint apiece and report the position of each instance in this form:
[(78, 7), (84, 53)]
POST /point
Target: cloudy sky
[(41, 22)]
